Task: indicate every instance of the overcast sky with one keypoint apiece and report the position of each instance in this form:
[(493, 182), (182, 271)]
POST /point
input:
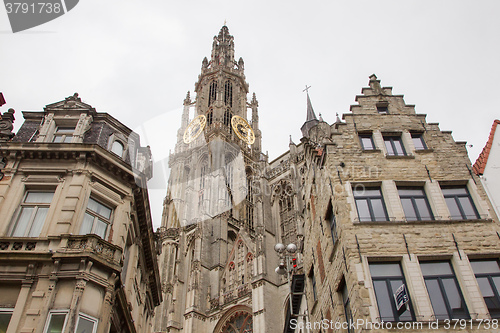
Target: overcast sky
[(137, 59)]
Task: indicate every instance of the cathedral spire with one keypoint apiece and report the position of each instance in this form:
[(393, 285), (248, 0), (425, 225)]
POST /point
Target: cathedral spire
[(311, 119), (223, 49)]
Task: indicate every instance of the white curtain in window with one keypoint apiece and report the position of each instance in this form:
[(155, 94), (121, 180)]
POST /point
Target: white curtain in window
[(22, 222), (100, 228), (39, 197), (38, 221), (88, 221)]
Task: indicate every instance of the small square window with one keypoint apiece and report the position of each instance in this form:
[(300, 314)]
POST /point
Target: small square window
[(394, 145), (367, 141), (418, 141), (382, 109)]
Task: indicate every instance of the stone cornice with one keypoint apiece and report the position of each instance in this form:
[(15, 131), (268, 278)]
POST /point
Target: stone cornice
[(71, 151)]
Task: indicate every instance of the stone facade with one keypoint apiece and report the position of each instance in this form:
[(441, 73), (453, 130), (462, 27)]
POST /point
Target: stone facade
[(388, 196), (382, 204), (77, 248)]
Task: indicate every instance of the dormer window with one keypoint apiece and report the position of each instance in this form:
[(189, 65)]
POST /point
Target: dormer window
[(117, 144), (63, 134), (118, 148)]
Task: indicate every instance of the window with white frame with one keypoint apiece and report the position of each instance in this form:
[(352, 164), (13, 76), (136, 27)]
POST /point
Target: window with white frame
[(459, 202), (487, 272), (394, 145), (97, 219), (5, 315), (443, 289), (56, 322), (415, 204), (32, 214), (86, 324), (63, 134), (369, 203), (390, 291)]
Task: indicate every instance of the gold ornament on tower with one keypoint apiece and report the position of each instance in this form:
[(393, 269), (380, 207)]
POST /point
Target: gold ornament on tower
[(243, 129), (195, 128)]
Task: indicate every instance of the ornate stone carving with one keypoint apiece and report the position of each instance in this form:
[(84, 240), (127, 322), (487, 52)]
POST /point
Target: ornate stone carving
[(7, 125), (93, 245)]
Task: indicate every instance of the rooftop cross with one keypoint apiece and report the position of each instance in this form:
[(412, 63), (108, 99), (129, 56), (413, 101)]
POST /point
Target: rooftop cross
[(307, 89)]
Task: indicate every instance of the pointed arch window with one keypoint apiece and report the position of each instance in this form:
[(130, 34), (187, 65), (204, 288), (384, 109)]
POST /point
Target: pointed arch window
[(249, 265), (212, 93), (228, 159), (231, 273), (228, 93), (210, 117), (203, 178), (227, 120)]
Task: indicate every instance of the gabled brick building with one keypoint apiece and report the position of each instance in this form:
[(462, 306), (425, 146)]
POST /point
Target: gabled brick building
[(399, 230)]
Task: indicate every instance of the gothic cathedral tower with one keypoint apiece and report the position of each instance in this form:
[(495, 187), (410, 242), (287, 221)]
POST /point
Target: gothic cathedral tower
[(217, 236)]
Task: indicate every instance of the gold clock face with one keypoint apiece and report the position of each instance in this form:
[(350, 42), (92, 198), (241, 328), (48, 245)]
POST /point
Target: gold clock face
[(243, 129), (195, 128)]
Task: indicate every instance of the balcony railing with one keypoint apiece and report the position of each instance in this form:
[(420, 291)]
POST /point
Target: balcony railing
[(79, 245)]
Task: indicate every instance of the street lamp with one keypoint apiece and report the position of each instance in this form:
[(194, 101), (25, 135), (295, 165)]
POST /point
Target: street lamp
[(284, 267), (291, 248)]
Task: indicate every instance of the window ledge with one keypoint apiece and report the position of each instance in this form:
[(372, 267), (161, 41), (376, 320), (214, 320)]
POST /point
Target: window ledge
[(334, 249), (371, 150), (398, 222), (424, 151), (400, 157), (313, 307)]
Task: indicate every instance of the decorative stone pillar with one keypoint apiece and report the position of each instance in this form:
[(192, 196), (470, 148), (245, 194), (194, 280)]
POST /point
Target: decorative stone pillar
[(21, 300), (51, 294), (107, 308)]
